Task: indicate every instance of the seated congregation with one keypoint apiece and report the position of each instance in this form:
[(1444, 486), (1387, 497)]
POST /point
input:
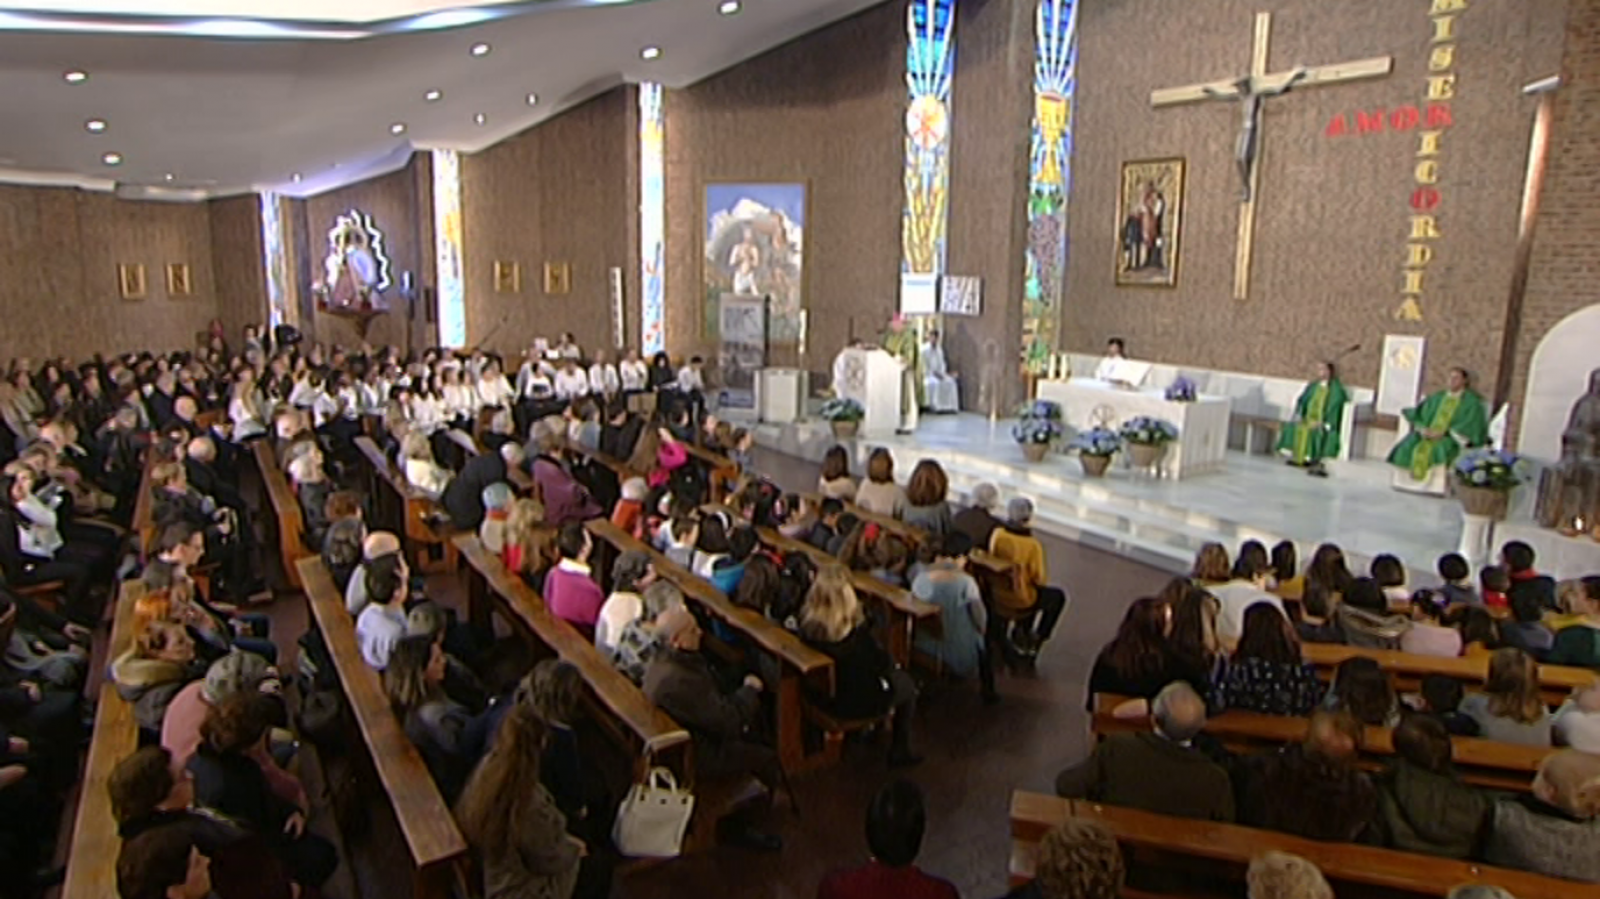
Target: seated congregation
[(653, 587)]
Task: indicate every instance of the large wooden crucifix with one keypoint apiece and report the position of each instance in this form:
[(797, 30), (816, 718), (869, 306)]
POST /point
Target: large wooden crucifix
[(1250, 91)]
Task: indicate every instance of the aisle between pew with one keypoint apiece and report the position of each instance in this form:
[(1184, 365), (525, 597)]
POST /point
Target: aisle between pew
[(286, 514)]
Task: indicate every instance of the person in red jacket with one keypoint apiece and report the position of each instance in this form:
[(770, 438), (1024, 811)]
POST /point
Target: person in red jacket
[(895, 822)]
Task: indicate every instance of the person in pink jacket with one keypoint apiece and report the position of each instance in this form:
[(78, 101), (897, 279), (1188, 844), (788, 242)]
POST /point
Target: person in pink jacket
[(569, 590)]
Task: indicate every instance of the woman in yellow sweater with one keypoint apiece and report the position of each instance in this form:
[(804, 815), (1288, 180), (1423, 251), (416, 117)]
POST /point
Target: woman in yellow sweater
[(1028, 601)]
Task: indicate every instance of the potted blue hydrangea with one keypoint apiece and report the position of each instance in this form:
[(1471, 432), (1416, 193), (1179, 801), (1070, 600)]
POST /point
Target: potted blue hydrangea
[(844, 415), (1484, 479), (1038, 428), (1182, 390), (1095, 448), (1147, 439)]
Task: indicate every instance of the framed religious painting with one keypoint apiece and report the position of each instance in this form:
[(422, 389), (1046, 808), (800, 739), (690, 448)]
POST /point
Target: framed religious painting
[(130, 281), (557, 278), (1150, 222), (507, 277), (755, 249), (178, 282)]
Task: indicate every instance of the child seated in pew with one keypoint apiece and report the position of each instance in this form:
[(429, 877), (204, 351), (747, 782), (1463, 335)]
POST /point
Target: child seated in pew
[(711, 545), (727, 571), (796, 516), (1390, 573), (1316, 624), (1365, 691), (1510, 708), (1526, 630), (741, 450), (1428, 636), (382, 622), (677, 538), (530, 543), (421, 471), (1494, 583), (1440, 697), (1480, 634), (628, 514), (825, 528), (961, 645), (497, 500), (1456, 575)]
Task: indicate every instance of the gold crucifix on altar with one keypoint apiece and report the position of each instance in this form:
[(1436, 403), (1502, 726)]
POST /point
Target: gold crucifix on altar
[(1250, 91)]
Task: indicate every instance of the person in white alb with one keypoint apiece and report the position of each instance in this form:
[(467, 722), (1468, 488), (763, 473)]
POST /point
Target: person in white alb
[(568, 348), (1107, 369), (571, 382), (634, 373), (940, 384), (307, 385), (245, 407), (604, 379), (691, 383), (494, 391), (460, 398)]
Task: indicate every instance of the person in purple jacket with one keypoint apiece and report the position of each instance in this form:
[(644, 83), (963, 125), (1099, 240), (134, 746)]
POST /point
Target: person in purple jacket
[(569, 590)]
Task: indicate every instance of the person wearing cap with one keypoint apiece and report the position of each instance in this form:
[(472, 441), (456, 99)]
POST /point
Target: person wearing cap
[(978, 520), (1028, 601), (630, 574), (378, 544), (497, 499), (232, 675)]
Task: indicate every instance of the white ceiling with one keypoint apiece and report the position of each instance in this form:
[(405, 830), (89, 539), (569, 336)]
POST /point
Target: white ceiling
[(226, 116)]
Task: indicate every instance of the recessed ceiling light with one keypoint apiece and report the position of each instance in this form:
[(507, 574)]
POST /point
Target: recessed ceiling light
[(433, 95), (533, 99), (729, 7), (650, 53), (95, 126), (481, 49), (295, 177), (112, 159), (397, 128), (480, 119), (170, 177), (76, 76)]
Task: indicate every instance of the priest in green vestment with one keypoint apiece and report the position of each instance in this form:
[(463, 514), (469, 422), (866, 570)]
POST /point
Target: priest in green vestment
[(901, 342), (1447, 422), (1318, 415)]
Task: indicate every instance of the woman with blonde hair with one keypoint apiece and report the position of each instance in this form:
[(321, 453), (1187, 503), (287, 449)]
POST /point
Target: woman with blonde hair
[(1510, 709), (422, 472), (150, 673), (1211, 565), (530, 544), (244, 407), (1279, 875), (867, 683), (512, 822)]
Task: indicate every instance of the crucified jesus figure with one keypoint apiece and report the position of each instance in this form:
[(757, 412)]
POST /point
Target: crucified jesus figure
[(1250, 92)]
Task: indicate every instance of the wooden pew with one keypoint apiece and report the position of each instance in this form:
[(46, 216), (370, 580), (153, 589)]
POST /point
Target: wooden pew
[(143, 523), (622, 707), (1556, 682), (402, 508), (437, 855), (985, 565), (289, 521), (92, 858), (798, 662), (1501, 766), (903, 613), (1160, 842)]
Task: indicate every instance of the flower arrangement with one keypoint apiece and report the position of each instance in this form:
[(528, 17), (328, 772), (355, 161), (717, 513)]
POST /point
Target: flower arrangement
[(1490, 469), (1181, 390), (842, 409), (1096, 441), (1038, 422), (1146, 431)]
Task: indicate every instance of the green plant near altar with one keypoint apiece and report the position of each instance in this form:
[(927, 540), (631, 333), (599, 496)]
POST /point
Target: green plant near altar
[(842, 409), (1145, 430)]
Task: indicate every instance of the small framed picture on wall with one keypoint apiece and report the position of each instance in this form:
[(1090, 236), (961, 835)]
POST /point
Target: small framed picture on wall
[(557, 277), (130, 281), (507, 277), (178, 283)]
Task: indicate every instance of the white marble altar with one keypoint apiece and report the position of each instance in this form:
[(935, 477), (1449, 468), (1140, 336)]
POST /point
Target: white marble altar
[(1202, 443), (872, 377)]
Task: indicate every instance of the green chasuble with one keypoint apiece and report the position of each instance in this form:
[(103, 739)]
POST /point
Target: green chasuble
[(903, 345), (1314, 433), (1461, 416)]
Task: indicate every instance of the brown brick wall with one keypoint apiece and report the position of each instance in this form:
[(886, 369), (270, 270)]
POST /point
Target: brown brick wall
[(1564, 274), (238, 264), (558, 192), (59, 252), (1332, 217)]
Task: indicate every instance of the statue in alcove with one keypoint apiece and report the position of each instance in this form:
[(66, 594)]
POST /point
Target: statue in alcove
[(1569, 491)]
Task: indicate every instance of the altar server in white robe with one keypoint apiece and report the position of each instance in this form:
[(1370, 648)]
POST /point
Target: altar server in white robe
[(940, 384), (1115, 353)]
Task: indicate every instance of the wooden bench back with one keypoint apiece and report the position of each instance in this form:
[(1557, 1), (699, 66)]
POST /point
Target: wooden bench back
[(1556, 682), (397, 505), (1503, 766), (626, 712), (1152, 841), (435, 849), (92, 858), (286, 511)]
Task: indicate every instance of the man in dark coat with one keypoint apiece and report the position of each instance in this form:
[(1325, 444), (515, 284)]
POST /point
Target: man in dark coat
[(463, 498)]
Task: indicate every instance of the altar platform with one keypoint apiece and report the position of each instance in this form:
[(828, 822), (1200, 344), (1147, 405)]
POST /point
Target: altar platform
[(1162, 522)]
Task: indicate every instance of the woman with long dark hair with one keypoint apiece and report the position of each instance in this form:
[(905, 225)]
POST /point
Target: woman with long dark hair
[(1267, 673), (1136, 662)]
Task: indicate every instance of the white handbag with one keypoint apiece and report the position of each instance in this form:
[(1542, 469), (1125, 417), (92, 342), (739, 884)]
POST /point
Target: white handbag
[(653, 817)]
